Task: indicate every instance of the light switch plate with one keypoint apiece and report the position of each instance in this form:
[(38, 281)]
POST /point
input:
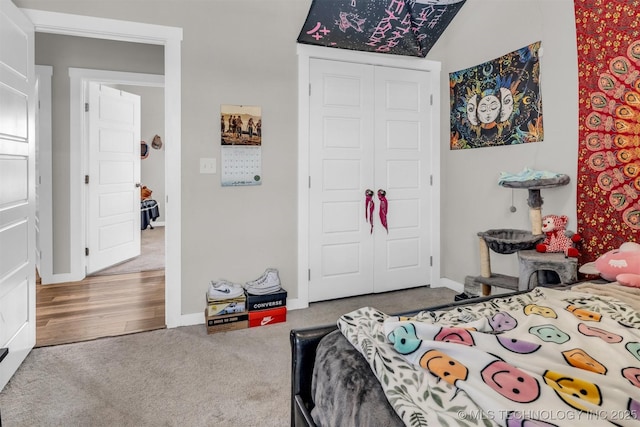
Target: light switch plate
[(207, 165)]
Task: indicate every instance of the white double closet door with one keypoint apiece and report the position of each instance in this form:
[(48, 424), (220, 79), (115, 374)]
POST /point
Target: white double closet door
[(369, 129)]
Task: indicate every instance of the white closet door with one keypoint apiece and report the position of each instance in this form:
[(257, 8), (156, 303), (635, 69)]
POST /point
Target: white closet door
[(402, 168), (368, 130), (341, 166)]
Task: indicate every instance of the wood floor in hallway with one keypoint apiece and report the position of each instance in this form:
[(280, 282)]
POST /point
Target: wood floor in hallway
[(99, 306)]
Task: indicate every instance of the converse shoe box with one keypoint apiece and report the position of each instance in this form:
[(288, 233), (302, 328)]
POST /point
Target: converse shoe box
[(226, 322), (268, 301), (267, 317)]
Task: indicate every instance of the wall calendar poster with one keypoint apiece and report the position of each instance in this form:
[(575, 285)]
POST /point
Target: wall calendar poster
[(241, 145)]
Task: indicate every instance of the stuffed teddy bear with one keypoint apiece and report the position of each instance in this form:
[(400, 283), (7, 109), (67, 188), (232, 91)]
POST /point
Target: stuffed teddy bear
[(145, 192), (558, 239), (621, 265)]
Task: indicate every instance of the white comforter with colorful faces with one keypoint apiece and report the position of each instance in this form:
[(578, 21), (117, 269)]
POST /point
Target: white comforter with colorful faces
[(544, 358)]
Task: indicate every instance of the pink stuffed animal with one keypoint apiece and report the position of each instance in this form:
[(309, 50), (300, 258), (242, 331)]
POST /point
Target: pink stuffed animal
[(558, 239), (621, 265)]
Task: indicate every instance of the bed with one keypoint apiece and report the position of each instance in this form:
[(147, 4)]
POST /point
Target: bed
[(543, 357), (149, 212)]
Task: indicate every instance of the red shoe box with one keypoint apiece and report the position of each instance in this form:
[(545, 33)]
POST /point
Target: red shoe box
[(267, 317)]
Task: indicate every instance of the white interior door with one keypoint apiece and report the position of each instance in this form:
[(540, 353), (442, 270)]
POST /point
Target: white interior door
[(17, 188), (402, 120), (367, 131), (113, 220), (44, 201), (341, 168)]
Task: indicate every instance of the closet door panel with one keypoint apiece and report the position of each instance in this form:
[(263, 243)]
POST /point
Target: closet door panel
[(402, 169), (341, 166)]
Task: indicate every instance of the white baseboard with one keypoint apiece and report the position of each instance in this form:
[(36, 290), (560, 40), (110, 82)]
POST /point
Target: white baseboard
[(192, 319), (59, 278), (296, 304), (198, 318), (451, 284)]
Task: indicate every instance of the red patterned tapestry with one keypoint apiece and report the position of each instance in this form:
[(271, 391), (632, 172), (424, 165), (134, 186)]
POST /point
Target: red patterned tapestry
[(608, 38)]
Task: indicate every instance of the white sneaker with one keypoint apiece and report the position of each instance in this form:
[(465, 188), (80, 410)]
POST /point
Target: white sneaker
[(264, 291), (224, 290), (268, 283)]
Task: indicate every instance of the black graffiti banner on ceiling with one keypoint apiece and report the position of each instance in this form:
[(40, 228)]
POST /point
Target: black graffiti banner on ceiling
[(409, 27)]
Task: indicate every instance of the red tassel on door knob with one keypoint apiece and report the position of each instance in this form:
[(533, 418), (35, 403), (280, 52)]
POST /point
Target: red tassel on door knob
[(369, 205), (384, 207)]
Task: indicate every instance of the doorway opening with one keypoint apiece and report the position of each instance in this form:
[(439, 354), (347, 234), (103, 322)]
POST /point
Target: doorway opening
[(150, 89), (62, 318), (170, 38)]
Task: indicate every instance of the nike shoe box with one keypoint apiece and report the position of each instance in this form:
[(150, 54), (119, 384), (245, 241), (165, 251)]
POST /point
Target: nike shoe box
[(226, 322), (267, 317), (268, 301)]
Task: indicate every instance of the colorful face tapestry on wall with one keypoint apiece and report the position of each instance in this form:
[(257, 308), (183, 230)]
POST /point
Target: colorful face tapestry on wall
[(401, 27), (497, 103)]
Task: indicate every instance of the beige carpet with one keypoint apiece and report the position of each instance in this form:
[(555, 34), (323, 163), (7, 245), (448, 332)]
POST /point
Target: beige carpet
[(178, 377), (151, 255)]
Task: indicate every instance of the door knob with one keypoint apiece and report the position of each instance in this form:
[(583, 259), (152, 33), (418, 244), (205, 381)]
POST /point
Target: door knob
[(138, 185)]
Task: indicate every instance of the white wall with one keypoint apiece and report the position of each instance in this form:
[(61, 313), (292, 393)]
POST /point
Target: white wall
[(233, 52), (472, 200), (244, 52)]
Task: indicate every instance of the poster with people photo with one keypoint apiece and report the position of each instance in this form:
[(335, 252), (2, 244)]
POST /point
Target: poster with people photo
[(241, 145)]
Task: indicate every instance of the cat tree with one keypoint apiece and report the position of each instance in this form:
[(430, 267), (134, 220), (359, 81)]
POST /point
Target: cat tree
[(522, 242)]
